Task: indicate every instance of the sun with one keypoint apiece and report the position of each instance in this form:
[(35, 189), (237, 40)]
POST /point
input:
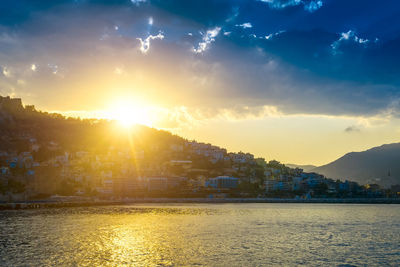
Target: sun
[(129, 113)]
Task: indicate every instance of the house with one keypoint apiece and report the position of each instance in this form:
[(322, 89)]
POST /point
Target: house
[(297, 183), (269, 185), (81, 154), (107, 187), (126, 185), (267, 173), (332, 188), (275, 185), (282, 186), (186, 164), (238, 158), (261, 162), (4, 170), (176, 147), (223, 182), (62, 159), (372, 187), (157, 183), (314, 179), (217, 155), (35, 147)]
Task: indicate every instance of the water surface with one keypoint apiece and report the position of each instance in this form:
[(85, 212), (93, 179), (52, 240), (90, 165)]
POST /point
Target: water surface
[(203, 234)]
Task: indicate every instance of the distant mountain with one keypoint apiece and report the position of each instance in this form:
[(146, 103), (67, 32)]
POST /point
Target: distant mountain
[(305, 168), (379, 165)]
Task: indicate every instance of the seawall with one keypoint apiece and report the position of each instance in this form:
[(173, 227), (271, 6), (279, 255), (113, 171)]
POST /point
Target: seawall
[(64, 204)]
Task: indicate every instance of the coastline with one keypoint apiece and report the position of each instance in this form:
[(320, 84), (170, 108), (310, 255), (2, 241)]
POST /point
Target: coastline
[(90, 203)]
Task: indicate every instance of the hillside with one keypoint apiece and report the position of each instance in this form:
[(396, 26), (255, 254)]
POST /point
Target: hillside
[(379, 165), (19, 125), (43, 154)]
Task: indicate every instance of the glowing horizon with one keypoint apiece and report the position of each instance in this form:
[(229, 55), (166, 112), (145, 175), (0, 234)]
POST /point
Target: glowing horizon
[(201, 129)]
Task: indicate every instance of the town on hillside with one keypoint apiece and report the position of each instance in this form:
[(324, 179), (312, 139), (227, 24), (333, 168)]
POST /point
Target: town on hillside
[(73, 159)]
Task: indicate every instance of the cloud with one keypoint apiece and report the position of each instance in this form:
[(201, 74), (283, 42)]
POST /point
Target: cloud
[(345, 37), (309, 6), (313, 6), (184, 117), (138, 2), (6, 72), (245, 25), (6, 38), (352, 129), (118, 71), (145, 44), (234, 15), (293, 72), (53, 68), (208, 38), (244, 112), (271, 35)]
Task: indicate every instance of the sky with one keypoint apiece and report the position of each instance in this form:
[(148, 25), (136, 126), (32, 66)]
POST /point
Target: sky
[(299, 81)]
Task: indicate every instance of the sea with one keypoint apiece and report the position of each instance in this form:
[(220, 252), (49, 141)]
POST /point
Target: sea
[(262, 234)]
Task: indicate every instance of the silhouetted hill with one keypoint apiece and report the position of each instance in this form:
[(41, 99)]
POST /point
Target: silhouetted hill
[(379, 165), (19, 124)]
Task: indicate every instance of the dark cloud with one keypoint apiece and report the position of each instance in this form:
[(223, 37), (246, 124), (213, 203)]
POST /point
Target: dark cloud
[(352, 129)]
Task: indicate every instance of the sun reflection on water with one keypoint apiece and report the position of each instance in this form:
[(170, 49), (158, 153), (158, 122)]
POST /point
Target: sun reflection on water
[(210, 235)]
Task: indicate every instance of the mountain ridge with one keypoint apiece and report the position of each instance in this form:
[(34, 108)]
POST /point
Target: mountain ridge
[(375, 165)]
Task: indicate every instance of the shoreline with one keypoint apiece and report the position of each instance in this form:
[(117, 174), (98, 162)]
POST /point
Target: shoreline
[(90, 203)]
